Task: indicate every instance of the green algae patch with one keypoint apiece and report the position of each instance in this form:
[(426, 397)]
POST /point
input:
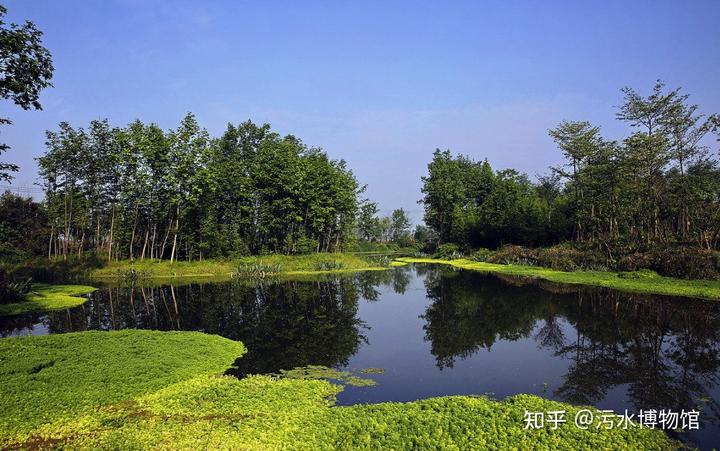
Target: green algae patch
[(262, 412), (638, 281), (48, 297), (372, 371), (163, 390), (319, 372), (44, 379)]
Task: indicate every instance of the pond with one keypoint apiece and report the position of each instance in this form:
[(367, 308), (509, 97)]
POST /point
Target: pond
[(435, 331)]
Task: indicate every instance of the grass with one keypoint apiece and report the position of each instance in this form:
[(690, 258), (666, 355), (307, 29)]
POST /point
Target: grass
[(286, 264), (48, 297), (142, 390), (640, 282)]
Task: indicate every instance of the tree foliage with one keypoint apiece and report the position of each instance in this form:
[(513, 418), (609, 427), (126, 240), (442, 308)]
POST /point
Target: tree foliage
[(25, 70), (658, 186), (141, 192)]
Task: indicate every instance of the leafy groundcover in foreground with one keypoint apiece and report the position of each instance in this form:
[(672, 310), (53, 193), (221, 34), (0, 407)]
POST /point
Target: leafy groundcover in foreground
[(136, 389)]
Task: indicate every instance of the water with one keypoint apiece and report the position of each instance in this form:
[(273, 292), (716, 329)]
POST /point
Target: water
[(439, 332)]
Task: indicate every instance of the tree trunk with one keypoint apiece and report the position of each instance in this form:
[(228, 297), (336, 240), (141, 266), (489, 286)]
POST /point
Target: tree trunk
[(167, 234), (145, 242), (52, 233), (177, 227), (132, 236), (112, 227)]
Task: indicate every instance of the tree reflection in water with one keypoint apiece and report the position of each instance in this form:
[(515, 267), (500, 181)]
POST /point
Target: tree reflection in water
[(665, 351), (284, 323), (662, 353)]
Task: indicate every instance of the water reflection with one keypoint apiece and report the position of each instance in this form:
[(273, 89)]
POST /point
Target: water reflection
[(438, 332), (664, 351)]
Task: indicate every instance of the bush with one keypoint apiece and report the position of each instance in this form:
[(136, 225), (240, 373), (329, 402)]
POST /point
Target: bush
[(448, 251), (640, 274), (57, 270), (379, 260), (678, 262), (328, 265), (514, 255), (13, 291), (255, 270), (568, 258), (481, 255), (131, 276)]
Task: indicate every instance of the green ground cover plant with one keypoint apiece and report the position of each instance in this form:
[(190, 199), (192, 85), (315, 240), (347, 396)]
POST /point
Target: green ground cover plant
[(44, 379), (141, 390), (48, 297)]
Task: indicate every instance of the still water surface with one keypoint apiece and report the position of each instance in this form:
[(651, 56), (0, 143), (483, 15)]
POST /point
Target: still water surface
[(436, 331)]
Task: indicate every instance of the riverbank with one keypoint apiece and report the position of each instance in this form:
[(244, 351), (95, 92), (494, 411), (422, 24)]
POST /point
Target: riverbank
[(637, 282), (48, 297), (148, 389), (321, 263)]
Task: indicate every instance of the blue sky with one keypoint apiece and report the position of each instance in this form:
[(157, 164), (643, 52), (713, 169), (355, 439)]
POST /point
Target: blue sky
[(380, 84)]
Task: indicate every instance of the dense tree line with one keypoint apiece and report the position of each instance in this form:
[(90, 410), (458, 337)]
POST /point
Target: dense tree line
[(142, 192), (660, 185)]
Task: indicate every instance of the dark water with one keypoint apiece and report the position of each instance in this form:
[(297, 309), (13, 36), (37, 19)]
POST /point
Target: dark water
[(441, 332)]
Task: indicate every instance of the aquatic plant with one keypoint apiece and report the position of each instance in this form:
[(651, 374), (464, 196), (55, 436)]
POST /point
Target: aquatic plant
[(256, 270), (131, 276), (149, 390), (328, 265), (46, 378), (481, 255), (707, 289), (318, 372), (43, 297)]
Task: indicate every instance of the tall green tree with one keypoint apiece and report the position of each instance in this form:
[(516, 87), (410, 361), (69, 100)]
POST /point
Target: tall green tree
[(25, 69)]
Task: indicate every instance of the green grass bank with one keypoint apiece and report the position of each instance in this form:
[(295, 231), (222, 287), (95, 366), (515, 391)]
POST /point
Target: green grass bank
[(639, 282), (142, 389), (284, 264)]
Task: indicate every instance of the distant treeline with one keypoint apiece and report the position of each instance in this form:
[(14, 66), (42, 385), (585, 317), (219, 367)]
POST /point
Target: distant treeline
[(658, 186), (143, 192)]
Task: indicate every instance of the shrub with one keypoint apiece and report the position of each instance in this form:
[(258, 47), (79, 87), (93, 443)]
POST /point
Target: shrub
[(13, 291), (678, 262), (514, 255), (131, 276), (255, 270), (640, 274), (568, 258), (448, 251), (481, 255), (328, 265), (379, 260)]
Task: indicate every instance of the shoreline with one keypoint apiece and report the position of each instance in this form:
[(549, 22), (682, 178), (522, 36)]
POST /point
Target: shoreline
[(702, 289)]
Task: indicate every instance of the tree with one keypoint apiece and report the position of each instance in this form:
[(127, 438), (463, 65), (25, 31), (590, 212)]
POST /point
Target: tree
[(577, 140), (23, 228), (400, 227), (368, 224), (141, 192), (25, 70)]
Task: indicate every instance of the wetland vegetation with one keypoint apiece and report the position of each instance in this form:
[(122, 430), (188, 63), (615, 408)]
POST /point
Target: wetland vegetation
[(175, 289)]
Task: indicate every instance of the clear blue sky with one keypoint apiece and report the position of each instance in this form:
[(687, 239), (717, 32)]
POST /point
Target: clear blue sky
[(380, 84)]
